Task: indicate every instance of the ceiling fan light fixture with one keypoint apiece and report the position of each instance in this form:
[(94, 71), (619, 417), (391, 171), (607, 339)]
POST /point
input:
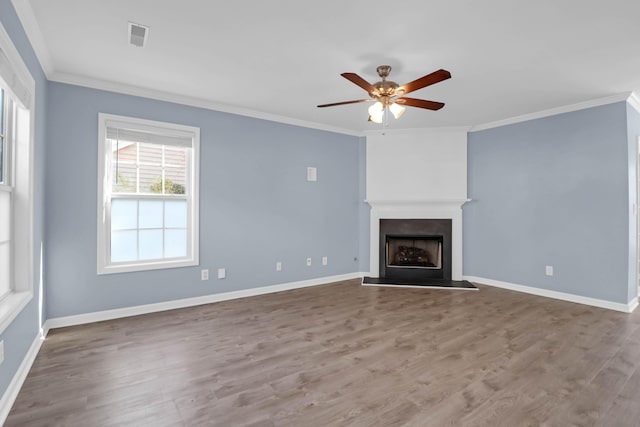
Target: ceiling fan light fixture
[(397, 110), (376, 112), (375, 119)]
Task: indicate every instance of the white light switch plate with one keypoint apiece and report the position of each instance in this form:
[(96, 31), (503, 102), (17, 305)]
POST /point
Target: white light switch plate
[(548, 270), (325, 260), (312, 174), (222, 273)]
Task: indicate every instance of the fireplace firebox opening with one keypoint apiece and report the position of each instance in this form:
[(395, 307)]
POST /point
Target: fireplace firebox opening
[(415, 249), (414, 252)]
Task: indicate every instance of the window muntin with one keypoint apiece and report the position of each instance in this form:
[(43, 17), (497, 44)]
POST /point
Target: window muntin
[(150, 195)]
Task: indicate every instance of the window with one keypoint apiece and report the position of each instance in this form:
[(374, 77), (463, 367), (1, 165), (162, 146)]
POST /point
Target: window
[(6, 193), (17, 89), (148, 195)]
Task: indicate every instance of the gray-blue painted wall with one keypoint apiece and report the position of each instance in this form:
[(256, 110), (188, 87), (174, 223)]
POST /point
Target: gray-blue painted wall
[(551, 191), (256, 206), (19, 336)]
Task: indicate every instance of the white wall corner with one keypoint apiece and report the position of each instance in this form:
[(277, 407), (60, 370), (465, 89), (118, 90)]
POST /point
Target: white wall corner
[(634, 101), (30, 24)]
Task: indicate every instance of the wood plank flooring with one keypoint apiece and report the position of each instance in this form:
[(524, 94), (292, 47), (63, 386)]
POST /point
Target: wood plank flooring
[(344, 355)]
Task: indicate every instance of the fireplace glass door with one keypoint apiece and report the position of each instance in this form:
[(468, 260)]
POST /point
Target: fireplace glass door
[(419, 252)]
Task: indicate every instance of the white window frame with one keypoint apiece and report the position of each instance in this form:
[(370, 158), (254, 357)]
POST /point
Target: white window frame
[(105, 266), (19, 84)]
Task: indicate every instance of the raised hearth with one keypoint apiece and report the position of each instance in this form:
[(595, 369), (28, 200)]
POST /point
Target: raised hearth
[(430, 283)]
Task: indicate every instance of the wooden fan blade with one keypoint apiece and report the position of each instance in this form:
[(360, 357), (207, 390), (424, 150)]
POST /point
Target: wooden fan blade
[(344, 103), (354, 78), (420, 103), (428, 80)]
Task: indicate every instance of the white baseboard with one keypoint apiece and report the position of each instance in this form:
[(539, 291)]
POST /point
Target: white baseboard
[(625, 308), (11, 393), (99, 316)]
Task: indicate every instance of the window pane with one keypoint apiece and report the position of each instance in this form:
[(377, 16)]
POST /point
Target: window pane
[(5, 216), (5, 271), (123, 246), (124, 178), (1, 111), (151, 179), (124, 214), (150, 244), (175, 243), (150, 154), (1, 135), (1, 158), (175, 214), (124, 152), (175, 156), (150, 214), (176, 180)]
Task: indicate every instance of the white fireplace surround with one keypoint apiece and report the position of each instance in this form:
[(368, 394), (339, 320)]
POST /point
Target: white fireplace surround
[(417, 209)]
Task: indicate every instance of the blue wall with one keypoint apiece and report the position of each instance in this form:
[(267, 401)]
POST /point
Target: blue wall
[(551, 191), (256, 206), (19, 336)]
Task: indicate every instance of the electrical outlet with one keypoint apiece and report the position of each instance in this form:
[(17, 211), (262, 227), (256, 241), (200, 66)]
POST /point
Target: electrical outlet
[(222, 273), (548, 270), (278, 266), (204, 274), (308, 262), (1, 352), (325, 260)]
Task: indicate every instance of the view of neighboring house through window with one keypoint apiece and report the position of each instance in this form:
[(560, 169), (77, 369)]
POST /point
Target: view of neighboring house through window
[(149, 203)]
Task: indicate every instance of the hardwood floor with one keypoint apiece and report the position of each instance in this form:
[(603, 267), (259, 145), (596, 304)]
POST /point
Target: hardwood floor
[(343, 354)]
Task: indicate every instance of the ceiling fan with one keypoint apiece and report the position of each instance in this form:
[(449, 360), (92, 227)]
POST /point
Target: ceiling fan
[(388, 94)]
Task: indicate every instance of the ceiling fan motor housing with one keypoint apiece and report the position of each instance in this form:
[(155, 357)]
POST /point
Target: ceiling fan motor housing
[(385, 88)]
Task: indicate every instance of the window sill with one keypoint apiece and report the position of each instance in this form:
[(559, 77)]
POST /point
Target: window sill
[(11, 306), (131, 268)]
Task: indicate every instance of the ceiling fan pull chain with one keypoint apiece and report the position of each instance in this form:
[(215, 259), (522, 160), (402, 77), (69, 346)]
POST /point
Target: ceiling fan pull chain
[(385, 120)]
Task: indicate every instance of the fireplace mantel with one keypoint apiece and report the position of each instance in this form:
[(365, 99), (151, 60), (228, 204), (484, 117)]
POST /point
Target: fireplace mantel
[(418, 203), (418, 209)]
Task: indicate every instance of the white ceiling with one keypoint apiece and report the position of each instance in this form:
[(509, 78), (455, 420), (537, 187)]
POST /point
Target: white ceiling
[(283, 57)]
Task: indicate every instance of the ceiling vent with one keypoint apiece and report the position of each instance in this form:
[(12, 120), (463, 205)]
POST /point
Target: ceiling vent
[(138, 34)]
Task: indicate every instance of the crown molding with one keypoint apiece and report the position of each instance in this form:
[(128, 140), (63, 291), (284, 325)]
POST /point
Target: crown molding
[(126, 89), (411, 131), (28, 19), (553, 111), (634, 101)]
